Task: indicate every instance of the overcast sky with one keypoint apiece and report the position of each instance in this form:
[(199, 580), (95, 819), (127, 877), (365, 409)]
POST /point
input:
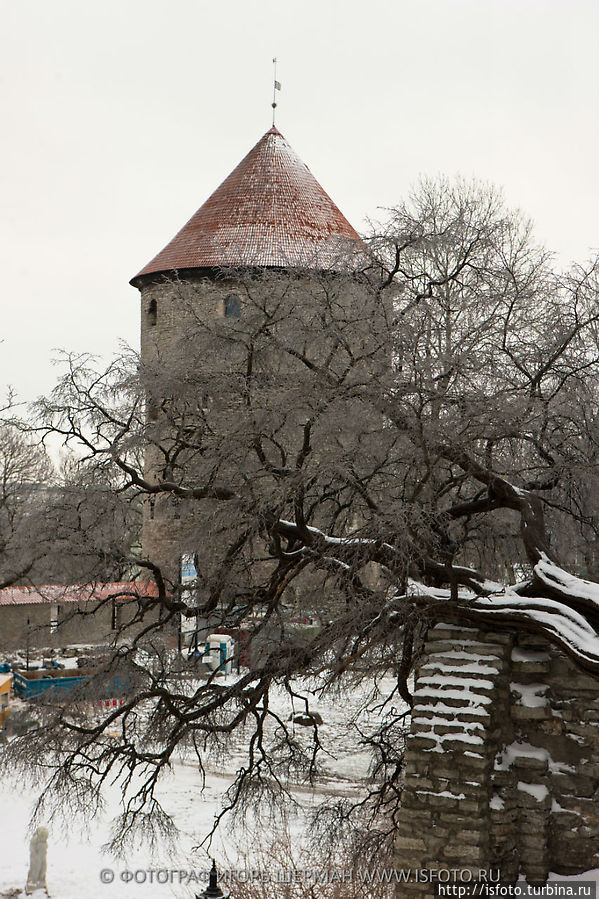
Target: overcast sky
[(120, 118)]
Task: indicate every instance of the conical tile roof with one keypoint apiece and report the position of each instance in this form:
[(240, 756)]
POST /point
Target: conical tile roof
[(270, 211)]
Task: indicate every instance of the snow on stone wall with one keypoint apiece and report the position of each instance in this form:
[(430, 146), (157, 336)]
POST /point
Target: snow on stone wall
[(502, 764)]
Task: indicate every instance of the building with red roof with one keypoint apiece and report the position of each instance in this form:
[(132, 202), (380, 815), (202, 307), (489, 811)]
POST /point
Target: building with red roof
[(269, 219), (55, 615), (269, 212)]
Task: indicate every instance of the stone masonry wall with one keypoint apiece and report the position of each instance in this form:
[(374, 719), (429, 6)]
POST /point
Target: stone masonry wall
[(502, 763), (171, 310), (460, 703)]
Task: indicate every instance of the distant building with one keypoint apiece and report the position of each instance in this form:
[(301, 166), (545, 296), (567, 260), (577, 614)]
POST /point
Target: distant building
[(56, 616)]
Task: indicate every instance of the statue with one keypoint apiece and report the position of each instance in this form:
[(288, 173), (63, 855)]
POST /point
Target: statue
[(38, 851)]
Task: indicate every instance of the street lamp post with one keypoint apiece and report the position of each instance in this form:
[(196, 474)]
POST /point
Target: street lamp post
[(27, 645), (213, 891)]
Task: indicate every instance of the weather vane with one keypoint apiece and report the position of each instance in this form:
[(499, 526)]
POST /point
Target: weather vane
[(276, 87)]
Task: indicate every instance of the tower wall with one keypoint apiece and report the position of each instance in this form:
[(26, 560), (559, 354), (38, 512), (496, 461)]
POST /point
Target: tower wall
[(172, 309)]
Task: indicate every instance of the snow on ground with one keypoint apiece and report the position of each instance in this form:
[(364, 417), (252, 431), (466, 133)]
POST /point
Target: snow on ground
[(77, 864), (79, 869)]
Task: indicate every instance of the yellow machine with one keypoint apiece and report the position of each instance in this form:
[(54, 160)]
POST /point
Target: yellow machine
[(5, 691)]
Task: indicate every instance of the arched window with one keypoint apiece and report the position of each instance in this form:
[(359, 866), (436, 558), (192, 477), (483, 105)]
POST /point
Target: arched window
[(233, 306), (152, 313)]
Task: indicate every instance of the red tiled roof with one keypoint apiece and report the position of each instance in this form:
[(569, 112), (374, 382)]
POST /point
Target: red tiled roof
[(57, 593), (270, 211)]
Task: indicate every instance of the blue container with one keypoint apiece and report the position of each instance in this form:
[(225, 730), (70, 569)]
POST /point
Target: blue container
[(31, 684), (30, 687)]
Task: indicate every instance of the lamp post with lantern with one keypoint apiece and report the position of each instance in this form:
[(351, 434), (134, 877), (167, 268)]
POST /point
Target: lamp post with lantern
[(213, 891)]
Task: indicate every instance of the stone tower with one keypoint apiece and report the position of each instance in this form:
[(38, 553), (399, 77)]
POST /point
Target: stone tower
[(270, 215)]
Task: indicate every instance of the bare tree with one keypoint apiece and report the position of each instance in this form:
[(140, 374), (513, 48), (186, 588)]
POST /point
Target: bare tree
[(59, 526), (25, 473), (412, 442)]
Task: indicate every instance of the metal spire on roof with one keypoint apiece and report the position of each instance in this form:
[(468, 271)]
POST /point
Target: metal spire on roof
[(276, 87)]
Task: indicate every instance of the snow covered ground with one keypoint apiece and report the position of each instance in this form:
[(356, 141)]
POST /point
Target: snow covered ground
[(78, 868), (77, 865)]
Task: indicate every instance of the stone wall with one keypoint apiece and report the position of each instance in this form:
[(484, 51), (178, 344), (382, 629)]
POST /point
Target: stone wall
[(502, 762), (179, 312)]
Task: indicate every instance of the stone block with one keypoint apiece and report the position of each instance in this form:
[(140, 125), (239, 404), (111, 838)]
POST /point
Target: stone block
[(457, 745), (435, 647), (579, 682), (451, 771), (431, 801), (532, 644), (466, 853), (503, 778), (526, 801), (476, 665), (415, 782), (478, 792), (564, 821), (531, 667), (452, 633), (536, 713), (458, 717), (474, 762), (552, 727), (568, 714), (410, 843), (420, 742), (457, 727), (588, 731), (495, 637), (474, 807), (417, 762), (572, 784), (457, 820), (528, 763), (486, 651), (465, 836), (530, 830), (422, 699)]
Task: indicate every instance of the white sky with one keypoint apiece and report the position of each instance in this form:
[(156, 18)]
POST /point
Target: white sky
[(119, 119)]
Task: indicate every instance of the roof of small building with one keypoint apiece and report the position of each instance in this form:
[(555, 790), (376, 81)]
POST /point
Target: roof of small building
[(58, 593), (270, 212)]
